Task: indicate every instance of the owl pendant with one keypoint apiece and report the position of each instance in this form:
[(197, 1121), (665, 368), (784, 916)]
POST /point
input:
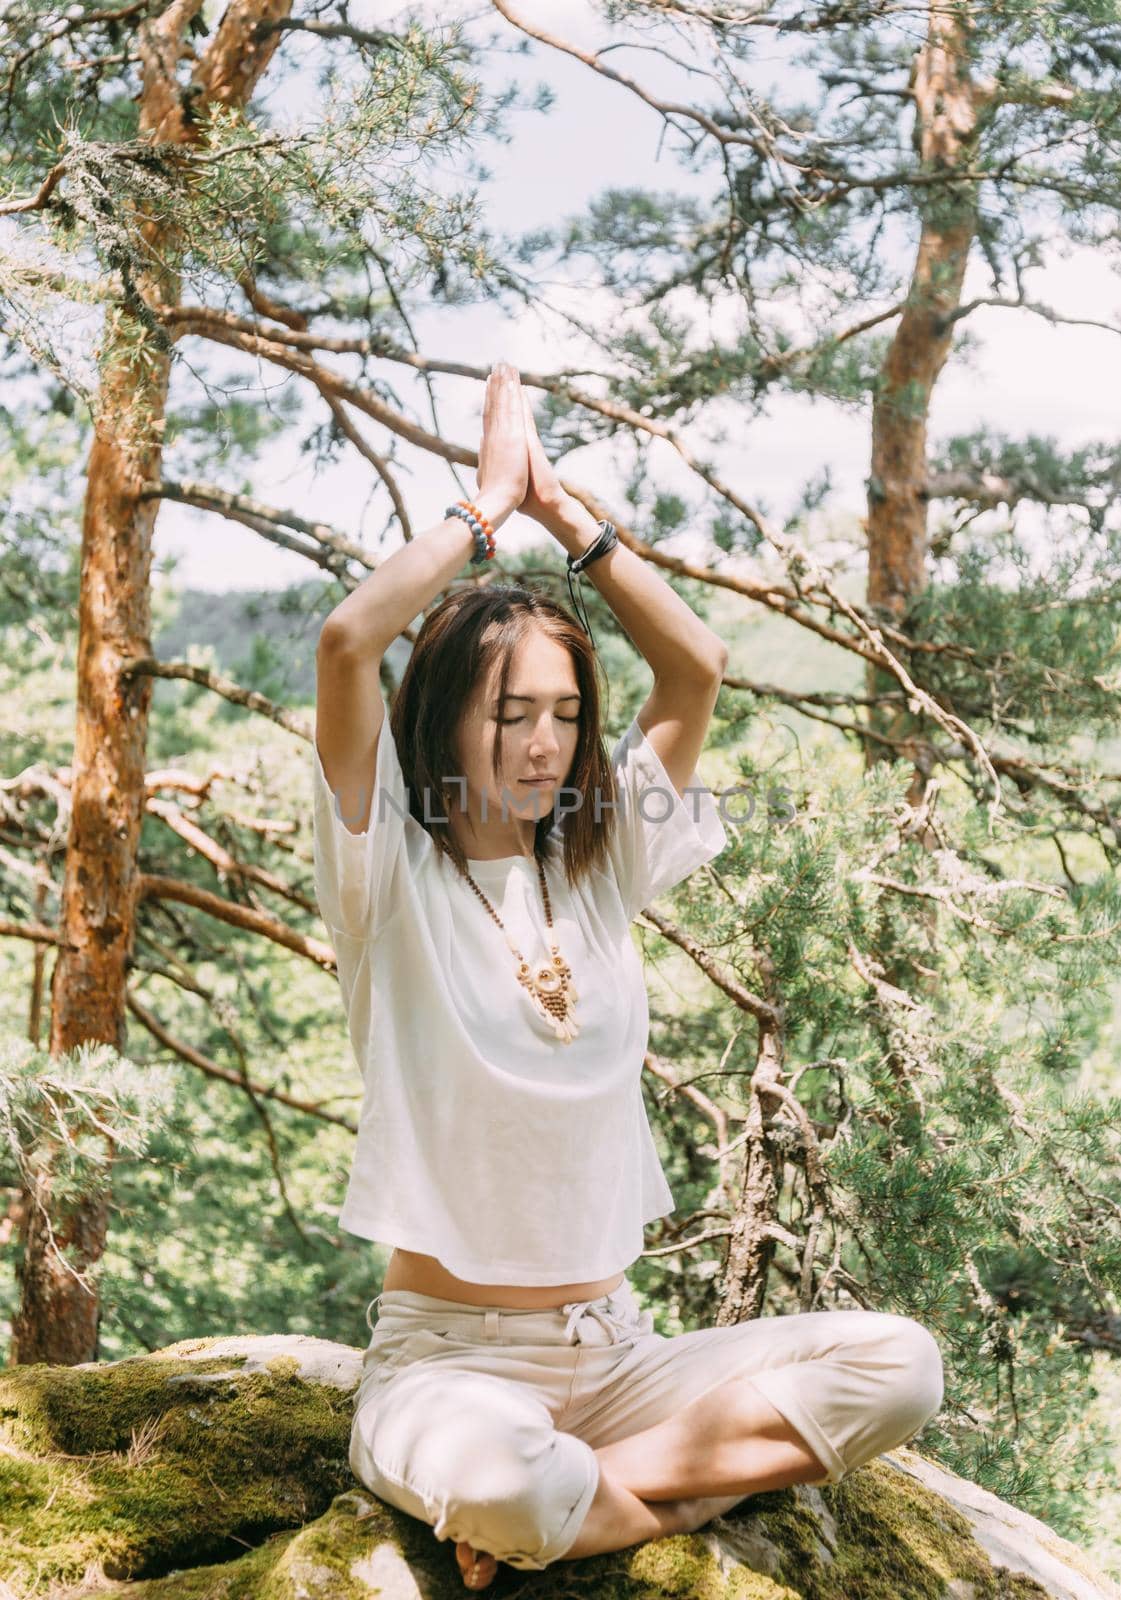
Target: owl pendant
[(551, 990)]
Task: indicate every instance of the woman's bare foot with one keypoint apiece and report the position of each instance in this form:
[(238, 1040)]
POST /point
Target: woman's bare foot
[(682, 1516), (487, 1565), (696, 1513)]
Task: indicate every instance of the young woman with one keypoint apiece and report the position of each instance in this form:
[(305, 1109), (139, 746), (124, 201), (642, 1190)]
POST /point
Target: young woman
[(478, 862)]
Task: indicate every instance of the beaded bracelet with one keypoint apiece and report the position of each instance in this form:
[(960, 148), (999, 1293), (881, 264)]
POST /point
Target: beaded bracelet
[(480, 527), (469, 505)]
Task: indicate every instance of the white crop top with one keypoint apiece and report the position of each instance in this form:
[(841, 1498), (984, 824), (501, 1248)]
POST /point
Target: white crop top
[(483, 1140)]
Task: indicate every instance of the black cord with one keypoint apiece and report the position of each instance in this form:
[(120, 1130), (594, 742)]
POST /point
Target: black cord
[(608, 539)]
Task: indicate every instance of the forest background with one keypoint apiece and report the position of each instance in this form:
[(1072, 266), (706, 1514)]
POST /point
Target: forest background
[(820, 305)]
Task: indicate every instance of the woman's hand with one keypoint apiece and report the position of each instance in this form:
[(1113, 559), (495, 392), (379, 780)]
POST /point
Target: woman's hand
[(545, 500), (503, 473)]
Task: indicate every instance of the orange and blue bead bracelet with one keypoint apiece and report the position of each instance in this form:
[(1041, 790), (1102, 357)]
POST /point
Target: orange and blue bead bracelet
[(480, 527)]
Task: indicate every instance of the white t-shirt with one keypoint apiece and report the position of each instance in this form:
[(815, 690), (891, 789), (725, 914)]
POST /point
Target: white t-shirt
[(483, 1139)]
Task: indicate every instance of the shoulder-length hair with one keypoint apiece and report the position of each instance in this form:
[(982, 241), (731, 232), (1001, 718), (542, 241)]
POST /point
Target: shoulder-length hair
[(454, 652)]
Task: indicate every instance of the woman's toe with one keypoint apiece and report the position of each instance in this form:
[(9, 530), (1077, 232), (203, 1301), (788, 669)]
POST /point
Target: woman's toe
[(477, 1566)]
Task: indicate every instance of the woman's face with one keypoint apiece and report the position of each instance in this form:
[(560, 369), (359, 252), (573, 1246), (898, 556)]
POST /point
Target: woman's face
[(536, 729)]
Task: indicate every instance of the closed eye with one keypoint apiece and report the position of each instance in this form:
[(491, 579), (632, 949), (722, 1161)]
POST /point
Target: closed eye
[(505, 720)]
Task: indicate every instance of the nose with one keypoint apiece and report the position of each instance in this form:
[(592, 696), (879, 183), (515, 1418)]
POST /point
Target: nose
[(544, 741)]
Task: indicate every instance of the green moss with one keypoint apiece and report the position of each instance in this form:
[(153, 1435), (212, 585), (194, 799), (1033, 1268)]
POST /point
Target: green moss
[(243, 1579), (894, 1537), (151, 1463), (686, 1566), (283, 1366), (196, 1480), (349, 1553), (360, 1547)]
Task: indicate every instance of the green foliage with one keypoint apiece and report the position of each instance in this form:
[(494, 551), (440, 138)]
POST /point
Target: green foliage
[(968, 1164), (226, 431), (1030, 637), (946, 1021), (1037, 468), (309, 199), (39, 453), (75, 1115)]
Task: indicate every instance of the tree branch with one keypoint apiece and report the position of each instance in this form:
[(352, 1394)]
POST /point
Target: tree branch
[(224, 864), (250, 698), (753, 1004), (1036, 307), (269, 521), (378, 38), (153, 886), (38, 932), (195, 1058), (763, 144)]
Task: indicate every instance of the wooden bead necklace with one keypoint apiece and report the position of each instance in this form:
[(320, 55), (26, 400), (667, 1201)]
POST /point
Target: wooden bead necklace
[(549, 983)]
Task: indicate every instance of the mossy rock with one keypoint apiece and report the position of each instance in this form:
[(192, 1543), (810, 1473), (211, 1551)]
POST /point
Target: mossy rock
[(217, 1470)]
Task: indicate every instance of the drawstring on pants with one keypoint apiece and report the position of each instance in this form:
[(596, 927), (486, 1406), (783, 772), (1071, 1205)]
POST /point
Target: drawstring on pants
[(369, 1308), (613, 1321), (616, 1323)]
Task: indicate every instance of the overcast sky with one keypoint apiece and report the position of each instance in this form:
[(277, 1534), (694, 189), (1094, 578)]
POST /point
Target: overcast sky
[(1028, 375)]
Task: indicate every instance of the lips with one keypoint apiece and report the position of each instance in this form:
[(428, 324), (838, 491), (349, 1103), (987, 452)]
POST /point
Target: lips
[(538, 782)]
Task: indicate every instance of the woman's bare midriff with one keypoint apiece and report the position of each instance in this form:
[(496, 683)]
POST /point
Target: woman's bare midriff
[(408, 1269)]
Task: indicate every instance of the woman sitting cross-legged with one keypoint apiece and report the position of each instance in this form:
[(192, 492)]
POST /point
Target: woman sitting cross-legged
[(479, 860)]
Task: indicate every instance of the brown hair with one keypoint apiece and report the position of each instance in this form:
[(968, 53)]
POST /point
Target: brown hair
[(454, 651)]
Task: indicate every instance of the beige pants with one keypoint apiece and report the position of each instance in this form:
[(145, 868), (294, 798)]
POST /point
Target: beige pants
[(483, 1421)]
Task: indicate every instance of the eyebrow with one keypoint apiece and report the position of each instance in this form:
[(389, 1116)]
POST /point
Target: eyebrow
[(533, 698)]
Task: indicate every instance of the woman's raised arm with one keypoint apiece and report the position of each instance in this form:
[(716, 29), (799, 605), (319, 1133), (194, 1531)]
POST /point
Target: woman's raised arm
[(372, 616), (348, 701)]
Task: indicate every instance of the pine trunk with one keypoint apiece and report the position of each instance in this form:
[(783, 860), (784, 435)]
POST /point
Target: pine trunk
[(59, 1311), (946, 129), (946, 109)]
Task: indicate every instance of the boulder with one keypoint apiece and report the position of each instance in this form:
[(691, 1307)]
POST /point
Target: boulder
[(217, 1470)]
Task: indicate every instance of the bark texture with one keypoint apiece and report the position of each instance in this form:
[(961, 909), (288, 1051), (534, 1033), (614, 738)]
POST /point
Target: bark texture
[(946, 129), (57, 1318)]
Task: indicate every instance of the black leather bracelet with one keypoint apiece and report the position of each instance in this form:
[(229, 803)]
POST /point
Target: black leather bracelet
[(607, 540)]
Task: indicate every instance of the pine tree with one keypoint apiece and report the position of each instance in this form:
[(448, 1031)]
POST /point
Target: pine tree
[(159, 184), (905, 955)]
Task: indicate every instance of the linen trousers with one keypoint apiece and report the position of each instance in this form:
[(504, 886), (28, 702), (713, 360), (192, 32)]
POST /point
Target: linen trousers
[(483, 1421)]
